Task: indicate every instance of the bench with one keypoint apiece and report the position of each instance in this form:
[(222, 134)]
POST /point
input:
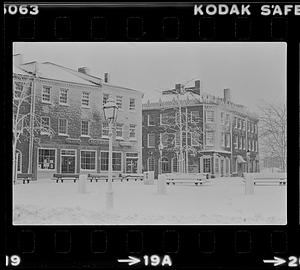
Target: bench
[(267, 179), (103, 177), (134, 176), (25, 177), (61, 177), (185, 178)]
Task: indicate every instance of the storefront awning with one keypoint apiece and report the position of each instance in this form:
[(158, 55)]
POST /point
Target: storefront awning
[(240, 159)]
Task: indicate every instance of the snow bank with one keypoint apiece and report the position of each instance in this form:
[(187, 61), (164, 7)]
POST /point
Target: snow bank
[(220, 202)]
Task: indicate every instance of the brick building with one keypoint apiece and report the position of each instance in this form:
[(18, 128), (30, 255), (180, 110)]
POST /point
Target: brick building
[(71, 103), (226, 132)]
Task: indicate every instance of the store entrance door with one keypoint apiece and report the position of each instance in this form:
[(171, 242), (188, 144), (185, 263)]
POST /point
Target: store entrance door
[(68, 161)]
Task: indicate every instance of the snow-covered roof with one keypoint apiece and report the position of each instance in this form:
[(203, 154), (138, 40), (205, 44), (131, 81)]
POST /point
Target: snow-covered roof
[(55, 72), (20, 71)]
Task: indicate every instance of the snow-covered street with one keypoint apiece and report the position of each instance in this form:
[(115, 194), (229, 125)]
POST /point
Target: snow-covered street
[(221, 202)]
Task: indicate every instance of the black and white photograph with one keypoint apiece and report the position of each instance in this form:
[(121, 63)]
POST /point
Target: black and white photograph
[(149, 133)]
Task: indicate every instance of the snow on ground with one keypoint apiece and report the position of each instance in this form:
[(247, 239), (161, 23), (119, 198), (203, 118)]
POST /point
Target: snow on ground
[(221, 202)]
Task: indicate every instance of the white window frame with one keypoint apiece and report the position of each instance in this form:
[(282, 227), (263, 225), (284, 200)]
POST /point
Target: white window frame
[(105, 95), (135, 129), (132, 108), (118, 125), (122, 162), (148, 164), (172, 164), (208, 120), (118, 99), (88, 150), (148, 140), (84, 135), (63, 134), (19, 154), (148, 121), (85, 96), (106, 128), (38, 157), (45, 132), (198, 117), (60, 96), (210, 163), (228, 141), (43, 88), (69, 155), (213, 138), (223, 139), (236, 143)]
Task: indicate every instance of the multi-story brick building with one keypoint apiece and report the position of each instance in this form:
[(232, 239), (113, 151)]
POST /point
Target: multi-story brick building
[(227, 132), (71, 103)]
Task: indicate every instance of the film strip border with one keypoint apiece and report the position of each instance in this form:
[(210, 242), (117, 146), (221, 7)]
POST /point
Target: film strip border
[(186, 247), (105, 23)]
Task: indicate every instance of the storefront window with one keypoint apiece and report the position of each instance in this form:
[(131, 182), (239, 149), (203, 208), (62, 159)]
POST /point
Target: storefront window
[(46, 159), (131, 162), (88, 160)]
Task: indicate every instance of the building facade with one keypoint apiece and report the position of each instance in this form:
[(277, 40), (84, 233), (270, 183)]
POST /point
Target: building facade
[(222, 136), (70, 103)]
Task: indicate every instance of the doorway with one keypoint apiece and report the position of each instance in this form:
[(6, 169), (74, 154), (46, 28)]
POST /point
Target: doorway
[(68, 161)]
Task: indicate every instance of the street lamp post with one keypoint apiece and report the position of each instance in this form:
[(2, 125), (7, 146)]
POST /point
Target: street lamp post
[(110, 114), (248, 160)]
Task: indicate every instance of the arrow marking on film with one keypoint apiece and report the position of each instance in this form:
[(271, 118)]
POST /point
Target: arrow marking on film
[(130, 261), (277, 261)]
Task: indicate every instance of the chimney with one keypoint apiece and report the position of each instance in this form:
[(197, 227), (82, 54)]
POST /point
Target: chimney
[(106, 77), (197, 87), (227, 95), (18, 59), (84, 70), (178, 87)]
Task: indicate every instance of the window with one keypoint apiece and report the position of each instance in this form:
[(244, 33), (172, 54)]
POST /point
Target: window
[(243, 125), (209, 138), (174, 164), (151, 140), (249, 145), (227, 140), (119, 101), (105, 98), (206, 165), (116, 161), (164, 165), (244, 143), (240, 142), (151, 164), (227, 120), (132, 104), (19, 161), (195, 116), (235, 122), (46, 159), (177, 138), (119, 130), (131, 162), (18, 90), (195, 138), (163, 118), (45, 125), (84, 128), (132, 131), (236, 142), (105, 129), (62, 126), (223, 140), (248, 126), (46, 94), (209, 116), (256, 142), (252, 145), (216, 165), (63, 97), (255, 128), (85, 100), (151, 120), (88, 160), (164, 138), (222, 118), (239, 123)]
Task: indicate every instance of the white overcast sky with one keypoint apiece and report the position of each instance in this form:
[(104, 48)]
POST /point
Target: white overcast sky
[(253, 71)]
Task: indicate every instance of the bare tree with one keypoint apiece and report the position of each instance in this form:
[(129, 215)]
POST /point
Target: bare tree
[(26, 125), (273, 132), (191, 129)]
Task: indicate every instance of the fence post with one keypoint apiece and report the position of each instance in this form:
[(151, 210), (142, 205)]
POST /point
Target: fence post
[(249, 185), (82, 183), (161, 184)]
